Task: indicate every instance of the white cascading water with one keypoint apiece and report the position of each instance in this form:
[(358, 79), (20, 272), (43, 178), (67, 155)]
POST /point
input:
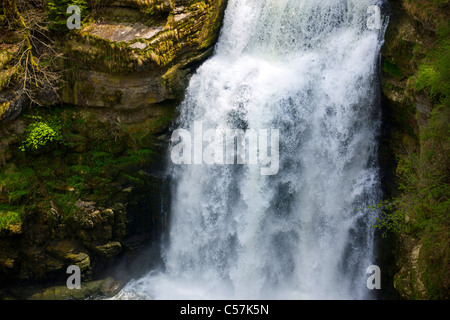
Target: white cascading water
[(309, 69)]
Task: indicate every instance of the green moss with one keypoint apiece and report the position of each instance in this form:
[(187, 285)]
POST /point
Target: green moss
[(8, 76), (435, 259), (112, 99), (164, 119), (391, 68), (5, 57), (11, 219), (17, 182), (87, 51)]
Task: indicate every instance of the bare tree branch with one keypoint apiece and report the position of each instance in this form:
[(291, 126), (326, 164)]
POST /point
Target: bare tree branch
[(38, 61)]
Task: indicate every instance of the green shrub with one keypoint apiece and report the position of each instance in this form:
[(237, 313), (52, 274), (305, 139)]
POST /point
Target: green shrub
[(424, 203), (41, 133)]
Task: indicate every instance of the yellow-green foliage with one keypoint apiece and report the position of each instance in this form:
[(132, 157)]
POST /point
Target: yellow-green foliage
[(5, 76), (3, 108), (40, 133), (434, 72), (6, 72), (10, 219), (5, 58)]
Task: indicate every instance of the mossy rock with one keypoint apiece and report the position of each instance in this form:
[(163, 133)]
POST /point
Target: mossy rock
[(106, 288)]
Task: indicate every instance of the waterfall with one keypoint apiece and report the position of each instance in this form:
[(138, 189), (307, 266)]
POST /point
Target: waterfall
[(308, 69)]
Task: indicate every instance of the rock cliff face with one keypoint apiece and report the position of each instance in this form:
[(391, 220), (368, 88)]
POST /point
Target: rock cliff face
[(415, 148), (96, 193)]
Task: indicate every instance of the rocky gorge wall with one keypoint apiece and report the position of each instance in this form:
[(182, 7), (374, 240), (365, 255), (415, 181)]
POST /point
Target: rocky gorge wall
[(415, 147), (88, 187)]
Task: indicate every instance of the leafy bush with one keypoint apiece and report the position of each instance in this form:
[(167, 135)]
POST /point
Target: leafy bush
[(40, 133), (434, 73)]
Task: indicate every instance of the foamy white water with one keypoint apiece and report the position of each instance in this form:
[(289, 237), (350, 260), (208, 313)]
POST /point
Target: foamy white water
[(309, 69)]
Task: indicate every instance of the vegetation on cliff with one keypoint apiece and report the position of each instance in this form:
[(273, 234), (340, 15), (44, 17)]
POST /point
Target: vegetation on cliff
[(417, 82)]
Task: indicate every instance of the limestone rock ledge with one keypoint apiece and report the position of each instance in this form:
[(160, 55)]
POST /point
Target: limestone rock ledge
[(134, 62)]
